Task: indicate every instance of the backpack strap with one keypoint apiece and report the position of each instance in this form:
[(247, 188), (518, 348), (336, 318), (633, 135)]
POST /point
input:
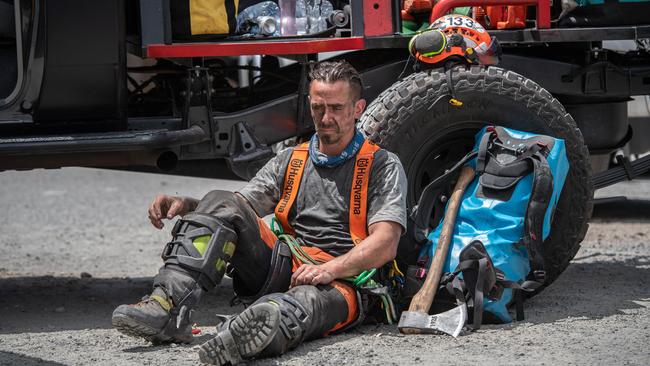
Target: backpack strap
[(532, 152), (292, 179), (359, 192), (538, 203), (481, 157), (480, 280)]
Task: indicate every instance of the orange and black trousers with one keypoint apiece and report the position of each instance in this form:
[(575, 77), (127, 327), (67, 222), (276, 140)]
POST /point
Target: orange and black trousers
[(330, 307)]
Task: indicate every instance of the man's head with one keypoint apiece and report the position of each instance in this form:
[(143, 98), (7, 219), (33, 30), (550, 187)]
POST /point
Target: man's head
[(336, 103)]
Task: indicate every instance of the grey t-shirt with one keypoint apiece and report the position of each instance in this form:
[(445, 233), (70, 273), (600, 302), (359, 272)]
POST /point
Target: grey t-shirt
[(320, 213)]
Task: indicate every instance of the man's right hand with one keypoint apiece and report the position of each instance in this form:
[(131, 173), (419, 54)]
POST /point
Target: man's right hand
[(166, 207)]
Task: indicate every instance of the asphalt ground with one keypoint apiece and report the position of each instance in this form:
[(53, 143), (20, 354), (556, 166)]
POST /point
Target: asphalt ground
[(76, 242)]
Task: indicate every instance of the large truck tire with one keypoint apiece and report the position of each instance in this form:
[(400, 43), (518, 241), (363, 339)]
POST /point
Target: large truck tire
[(414, 119)]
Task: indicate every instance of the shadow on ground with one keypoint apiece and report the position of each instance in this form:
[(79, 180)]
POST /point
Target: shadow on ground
[(615, 208), (49, 304), (10, 358), (594, 289)]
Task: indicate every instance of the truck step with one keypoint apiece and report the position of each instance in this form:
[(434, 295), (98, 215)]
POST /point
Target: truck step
[(109, 141)]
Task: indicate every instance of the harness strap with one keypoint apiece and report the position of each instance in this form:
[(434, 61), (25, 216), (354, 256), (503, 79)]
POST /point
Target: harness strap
[(452, 96), (292, 178), (359, 193)]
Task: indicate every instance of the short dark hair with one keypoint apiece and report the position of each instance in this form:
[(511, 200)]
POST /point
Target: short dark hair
[(333, 71)]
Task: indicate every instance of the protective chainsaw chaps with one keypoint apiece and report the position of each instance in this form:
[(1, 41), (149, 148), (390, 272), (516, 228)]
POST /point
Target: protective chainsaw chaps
[(277, 280), (497, 249)]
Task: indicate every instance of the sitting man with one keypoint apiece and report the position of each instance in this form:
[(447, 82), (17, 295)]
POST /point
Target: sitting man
[(343, 199)]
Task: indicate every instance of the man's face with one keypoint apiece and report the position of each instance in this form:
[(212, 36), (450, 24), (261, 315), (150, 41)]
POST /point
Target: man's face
[(334, 111)]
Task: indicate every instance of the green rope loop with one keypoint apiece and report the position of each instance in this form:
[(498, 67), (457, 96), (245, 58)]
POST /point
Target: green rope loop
[(276, 227), (363, 277)]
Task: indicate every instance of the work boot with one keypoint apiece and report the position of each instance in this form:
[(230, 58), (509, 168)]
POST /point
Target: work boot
[(152, 320), (271, 326)]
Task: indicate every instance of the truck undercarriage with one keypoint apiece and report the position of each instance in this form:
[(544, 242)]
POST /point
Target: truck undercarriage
[(148, 102)]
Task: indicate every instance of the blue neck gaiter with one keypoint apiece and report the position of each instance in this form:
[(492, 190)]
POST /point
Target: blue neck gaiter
[(322, 160)]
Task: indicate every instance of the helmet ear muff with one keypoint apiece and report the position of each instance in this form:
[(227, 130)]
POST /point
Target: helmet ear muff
[(429, 43), (455, 37)]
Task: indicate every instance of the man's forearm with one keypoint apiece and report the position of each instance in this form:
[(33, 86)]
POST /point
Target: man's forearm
[(350, 264), (376, 250), (190, 203)]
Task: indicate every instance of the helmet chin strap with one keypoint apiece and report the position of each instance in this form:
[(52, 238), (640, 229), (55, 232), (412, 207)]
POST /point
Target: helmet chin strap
[(450, 85)]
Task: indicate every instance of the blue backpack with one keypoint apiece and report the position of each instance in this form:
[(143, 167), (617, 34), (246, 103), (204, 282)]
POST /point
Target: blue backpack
[(503, 220)]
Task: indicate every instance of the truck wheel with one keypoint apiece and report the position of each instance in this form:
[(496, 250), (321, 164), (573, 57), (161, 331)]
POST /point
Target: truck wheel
[(413, 119)]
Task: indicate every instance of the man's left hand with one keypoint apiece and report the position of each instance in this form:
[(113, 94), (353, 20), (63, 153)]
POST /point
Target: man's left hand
[(309, 274)]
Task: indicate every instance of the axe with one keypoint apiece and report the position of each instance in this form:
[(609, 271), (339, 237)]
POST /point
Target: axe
[(417, 319)]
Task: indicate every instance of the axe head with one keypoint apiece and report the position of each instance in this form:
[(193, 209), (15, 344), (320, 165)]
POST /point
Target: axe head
[(450, 322)]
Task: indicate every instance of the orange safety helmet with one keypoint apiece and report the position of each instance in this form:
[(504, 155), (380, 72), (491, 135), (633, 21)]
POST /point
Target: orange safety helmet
[(456, 36)]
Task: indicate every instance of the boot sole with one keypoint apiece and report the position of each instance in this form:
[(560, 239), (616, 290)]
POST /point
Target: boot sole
[(252, 331), (131, 327)]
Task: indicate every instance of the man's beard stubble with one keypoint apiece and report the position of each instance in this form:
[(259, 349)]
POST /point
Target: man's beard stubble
[(332, 137), (329, 139)]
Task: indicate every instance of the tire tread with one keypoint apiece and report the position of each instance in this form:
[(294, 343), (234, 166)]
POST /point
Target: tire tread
[(388, 122)]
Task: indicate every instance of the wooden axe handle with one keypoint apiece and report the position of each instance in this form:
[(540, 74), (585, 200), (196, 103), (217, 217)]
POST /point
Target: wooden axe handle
[(424, 297)]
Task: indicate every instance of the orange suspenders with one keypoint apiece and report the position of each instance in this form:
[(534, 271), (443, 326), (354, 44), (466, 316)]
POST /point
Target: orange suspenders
[(292, 178), (358, 194)]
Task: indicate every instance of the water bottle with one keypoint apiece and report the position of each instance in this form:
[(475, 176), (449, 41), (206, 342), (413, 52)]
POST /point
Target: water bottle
[(259, 19), (326, 9), (308, 17), (288, 17), (267, 25), (318, 11), (301, 17)]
